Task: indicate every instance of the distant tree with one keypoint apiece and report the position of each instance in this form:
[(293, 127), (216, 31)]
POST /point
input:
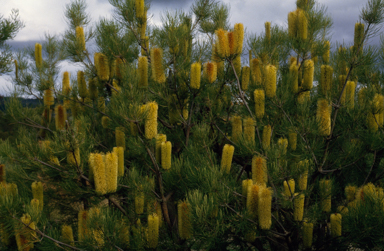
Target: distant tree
[(167, 139)]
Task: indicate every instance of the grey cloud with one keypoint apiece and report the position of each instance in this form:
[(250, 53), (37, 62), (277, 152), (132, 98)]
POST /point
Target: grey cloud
[(18, 45)]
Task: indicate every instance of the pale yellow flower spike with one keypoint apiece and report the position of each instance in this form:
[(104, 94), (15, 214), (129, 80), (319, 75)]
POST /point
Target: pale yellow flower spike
[(308, 72), (298, 207), (226, 159), (67, 235), (153, 230), (239, 37), (166, 155), (195, 75), (253, 200), (289, 188), (157, 65), (237, 128), (336, 224), (265, 208), (270, 81), (99, 174), (307, 234), (222, 43), (80, 38), (259, 171), (259, 97), (249, 130), (245, 77), (151, 121), (111, 169), (37, 191), (143, 72), (323, 117), (38, 56)]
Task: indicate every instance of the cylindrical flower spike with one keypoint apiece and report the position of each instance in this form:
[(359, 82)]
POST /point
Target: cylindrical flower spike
[(184, 222), (153, 230), (222, 43), (151, 121), (298, 207), (226, 158), (326, 75), (259, 171), (239, 37), (119, 150), (350, 94), (266, 137), (294, 77), (120, 137), (270, 81), (37, 191), (302, 25), (259, 97), (82, 85), (282, 144), (289, 188), (195, 75), (265, 208), (49, 99), (24, 233), (292, 24), (249, 130), (237, 128), (102, 66), (267, 26), (105, 122), (292, 139), (253, 200), (308, 72), (160, 138), (245, 77), (307, 234), (66, 88), (210, 70), (99, 174), (67, 235), (38, 56), (231, 43), (336, 224), (372, 125), (325, 187), (111, 169), (327, 52), (303, 179), (82, 225), (303, 97), (256, 70), (139, 201), (358, 36), (80, 38), (245, 186), (157, 65), (60, 117), (143, 72), (350, 192), (166, 155), (16, 69), (323, 117), (140, 8), (93, 93)]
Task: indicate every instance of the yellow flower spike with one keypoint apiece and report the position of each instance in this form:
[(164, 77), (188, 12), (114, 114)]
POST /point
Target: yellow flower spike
[(60, 117), (259, 171), (125, 233), (303, 178), (266, 137), (342, 210), (283, 144), (82, 225), (267, 26), (256, 70), (292, 24), (377, 104), (253, 200), (237, 128), (67, 235), (157, 65), (143, 72), (239, 37), (265, 208), (298, 207), (325, 187), (73, 158), (222, 43), (140, 8), (323, 117), (336, 224), (120, 137), (184, 222), (249, 130), (2, 173), (37, 191), (82, 85), (231, 43), (358, 36), (327, 52), (372, 125), (93, 92), (80, 38), (245, 77), (119, 150), (25, 236), (289, 188), (302, 25), (49, 99), (160, 138), (308, 72), (151, 121), (226, 158), (111, 169), (16, 69), (294, 77), (270, 81), (38, 56), (326, 73), (307, 234), (245, 186), (143, 26), (166, 155), (102, 66), (211, 71), (195, 75), (350, 94), (292, 139), (303, 97), (153, 230), (66, 88), (99, 174), (350, 192), (139, 201), (259, 97), (105, 122)]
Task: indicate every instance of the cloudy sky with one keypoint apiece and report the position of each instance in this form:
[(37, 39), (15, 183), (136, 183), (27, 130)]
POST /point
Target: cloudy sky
[(41, 16)]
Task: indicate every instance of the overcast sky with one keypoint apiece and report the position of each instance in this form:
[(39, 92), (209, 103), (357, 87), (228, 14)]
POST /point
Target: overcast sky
[(41, 16)]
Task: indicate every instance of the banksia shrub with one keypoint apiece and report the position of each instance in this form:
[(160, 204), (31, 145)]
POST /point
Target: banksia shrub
[(38, 56), (80, 38), (66, 87), (60, 117), (143, 72), (270, 81), (292, 139), (151, 120), (259, 96), (237, 128), (298, 207), (157, 65), (336, 224), (302, 24), (350, 94), (166, 155), (82, 85), (231, 43), (265, 207), (266, 137), (195, 75), (308, 72), (93, 92), (184, 222), (153, 230), (259, 171), (226, 158), (102, 66), (350, 192), (323, 117)]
